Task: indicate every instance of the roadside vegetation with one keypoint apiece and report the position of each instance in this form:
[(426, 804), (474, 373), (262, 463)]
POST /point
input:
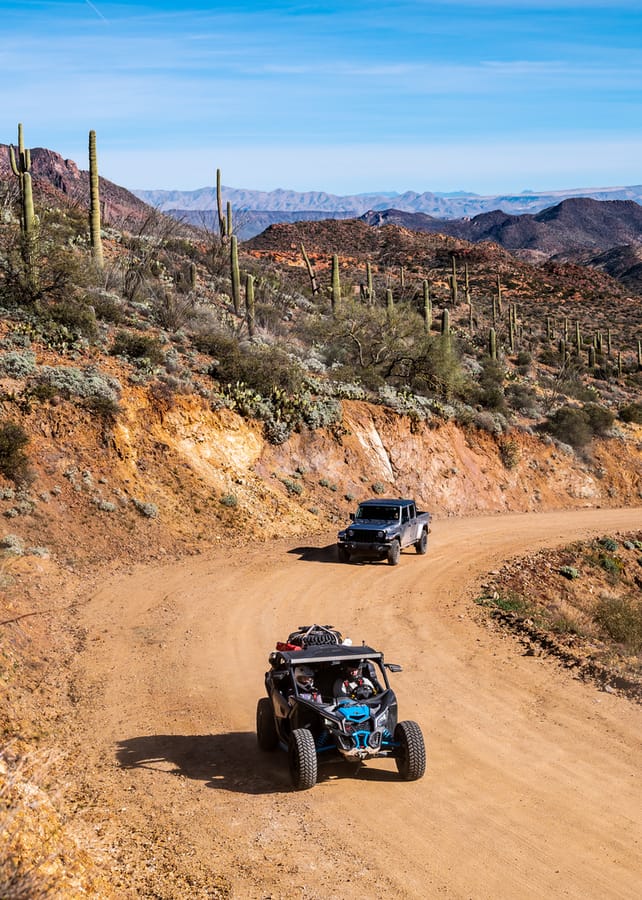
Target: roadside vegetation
[(582, 603)]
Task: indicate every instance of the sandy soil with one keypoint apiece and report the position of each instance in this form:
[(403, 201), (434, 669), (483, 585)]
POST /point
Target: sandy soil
[(533, 787)]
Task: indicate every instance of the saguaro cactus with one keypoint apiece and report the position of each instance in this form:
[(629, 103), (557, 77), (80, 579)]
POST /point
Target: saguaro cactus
[(390, 300), (492, 343), (20, 166), (94, 204), (427, 307), (249, 304), (336, 285), (370, 295), (235, 276), (452, 281), (445, 323), (219, 205)]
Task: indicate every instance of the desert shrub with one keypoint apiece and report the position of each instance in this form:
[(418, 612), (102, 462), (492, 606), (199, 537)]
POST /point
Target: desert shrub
[(77, 317), (621, 619), (14, 463), (569, 572), (523, 398), (491, 385), (18, 365), (570, 425), (138, 347), (149, 510), (608, 544), (261, 368), (229, 500), (509, 453), (632, 412), (600, 419), (68, 381), (108, 307), (293, 487), (378, 487)]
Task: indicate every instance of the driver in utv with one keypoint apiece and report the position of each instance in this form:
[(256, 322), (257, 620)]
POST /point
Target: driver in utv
[(354, 684)]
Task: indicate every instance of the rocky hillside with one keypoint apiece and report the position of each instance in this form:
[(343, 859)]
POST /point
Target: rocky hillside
[(561, 232), (59, 182)]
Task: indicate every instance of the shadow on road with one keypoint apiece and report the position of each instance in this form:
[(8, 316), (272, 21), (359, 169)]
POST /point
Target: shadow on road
[(230, 762), (329, 555), (316, 554)]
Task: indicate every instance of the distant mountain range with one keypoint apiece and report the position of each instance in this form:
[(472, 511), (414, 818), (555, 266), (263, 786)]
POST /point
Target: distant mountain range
[(601, 229), (255, 210)]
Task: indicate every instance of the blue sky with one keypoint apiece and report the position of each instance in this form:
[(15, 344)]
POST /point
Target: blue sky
[(488, 96)]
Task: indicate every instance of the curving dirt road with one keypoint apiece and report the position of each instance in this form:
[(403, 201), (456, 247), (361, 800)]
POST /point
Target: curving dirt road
[(534, 782)]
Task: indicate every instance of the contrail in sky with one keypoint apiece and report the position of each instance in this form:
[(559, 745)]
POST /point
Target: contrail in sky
[(97, 11)]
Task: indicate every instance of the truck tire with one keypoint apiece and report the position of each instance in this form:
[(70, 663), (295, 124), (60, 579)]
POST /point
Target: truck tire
[(343, 554), (411, 754), (266, 734), (422, 544), (394, 552), (302, 756)]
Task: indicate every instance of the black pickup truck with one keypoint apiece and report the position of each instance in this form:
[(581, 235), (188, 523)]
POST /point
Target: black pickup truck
[(381, 529)]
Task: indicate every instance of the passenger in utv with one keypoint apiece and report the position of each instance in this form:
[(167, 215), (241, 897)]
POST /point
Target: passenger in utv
[(304, 677), (354, 684)]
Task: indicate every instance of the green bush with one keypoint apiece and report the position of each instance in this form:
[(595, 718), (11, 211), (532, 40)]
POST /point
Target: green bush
[(570, 425), (621, 619), (569, 572), (138, 346), (78, 317), (632, 413)]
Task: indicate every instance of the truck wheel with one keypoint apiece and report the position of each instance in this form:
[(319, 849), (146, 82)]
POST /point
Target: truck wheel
[(394, 553), (266, 733), (343, 554), (422, 544), (411, 755), (303, 759)]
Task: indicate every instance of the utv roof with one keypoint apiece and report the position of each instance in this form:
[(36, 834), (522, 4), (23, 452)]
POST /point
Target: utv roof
[(388, 501), (328, 653)]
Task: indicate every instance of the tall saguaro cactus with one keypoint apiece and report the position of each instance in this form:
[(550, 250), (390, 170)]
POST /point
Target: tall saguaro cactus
[(336, 285), (427, 306), (94, 204), (492, 343), (20, 166), (222, 227), (370, 294), (249, 304), (235, 276)]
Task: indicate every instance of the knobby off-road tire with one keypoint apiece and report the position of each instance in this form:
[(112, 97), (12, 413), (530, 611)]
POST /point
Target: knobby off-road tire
[(303, 759), (394, 553), (266, 734), (422, 544), (411, 758), (343, 554)]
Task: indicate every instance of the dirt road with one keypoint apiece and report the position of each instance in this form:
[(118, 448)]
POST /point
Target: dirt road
[(534, 780)]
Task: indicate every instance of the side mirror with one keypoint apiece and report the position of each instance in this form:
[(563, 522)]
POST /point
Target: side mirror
[(393, 667), (352, 517)]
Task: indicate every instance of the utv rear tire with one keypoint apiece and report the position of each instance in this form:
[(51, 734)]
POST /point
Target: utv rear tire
[(343, 554), (411, 758), (302, 756), (394, 552), (422, 544), (266, 733)]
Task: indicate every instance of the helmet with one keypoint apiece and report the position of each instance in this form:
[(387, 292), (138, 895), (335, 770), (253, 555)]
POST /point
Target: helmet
[(304, 676)]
